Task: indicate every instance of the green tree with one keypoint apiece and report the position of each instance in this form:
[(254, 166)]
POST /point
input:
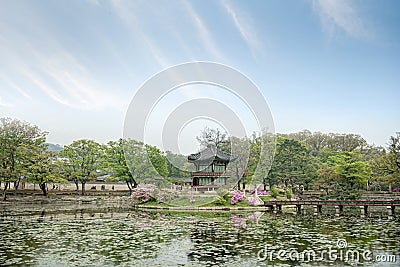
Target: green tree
[(178, 166), (317, 141), (214, 137), (327, 178), (346, 142), (83, 158), (115, 163), (132, 161), (386, 167), (45, 168), (292, 164), (158, 160), (238, 168), (18, 142), (352, 172), (261, 157)]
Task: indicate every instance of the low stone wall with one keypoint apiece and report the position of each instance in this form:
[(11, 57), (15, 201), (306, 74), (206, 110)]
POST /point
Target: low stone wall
[(144, 207)]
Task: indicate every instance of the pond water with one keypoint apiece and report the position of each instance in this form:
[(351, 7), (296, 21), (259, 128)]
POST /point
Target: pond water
[(125, 237)]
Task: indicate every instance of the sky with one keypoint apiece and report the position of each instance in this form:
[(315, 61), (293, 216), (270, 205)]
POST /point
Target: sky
[(73, 67)]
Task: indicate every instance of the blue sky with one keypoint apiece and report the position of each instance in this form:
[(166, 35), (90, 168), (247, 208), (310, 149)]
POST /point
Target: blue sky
[(72, 67)]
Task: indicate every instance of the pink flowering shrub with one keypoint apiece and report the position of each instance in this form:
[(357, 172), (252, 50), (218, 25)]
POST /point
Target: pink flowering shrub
[(237, 197), (252, 201), (261, 192), (165, 195), (238, 221), (143, 193)]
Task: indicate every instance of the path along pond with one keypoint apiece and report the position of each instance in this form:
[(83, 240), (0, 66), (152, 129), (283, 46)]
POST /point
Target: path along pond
[(94, 235)]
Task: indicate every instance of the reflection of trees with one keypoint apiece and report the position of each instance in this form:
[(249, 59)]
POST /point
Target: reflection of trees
[(211, 243), (220, 241)]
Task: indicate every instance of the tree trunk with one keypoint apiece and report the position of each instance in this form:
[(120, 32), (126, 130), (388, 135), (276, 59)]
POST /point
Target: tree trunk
[(5, 190), (237, 177), (129, 186), (43, 187), (77, 185), (83, 188), (264, 184), (16, 185)]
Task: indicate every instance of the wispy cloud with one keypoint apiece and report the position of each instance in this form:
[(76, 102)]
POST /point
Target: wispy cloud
[(5, 104), (244, 27), (94, 2), (125, 11), (53, 70), (339, 14), (64, 79), (203, 32), (13, 85)]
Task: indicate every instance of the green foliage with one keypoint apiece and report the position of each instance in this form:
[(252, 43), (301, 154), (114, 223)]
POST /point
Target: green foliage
[(54, 147), (353, 172), (289, 193), (177, 165), (115, 163), (292, 164), (343, 175), (215, 137), (219, 201), (83, 158), (327, 178), (261, 158), (274, 192), (386, 167), (19, 142), (318, 142), (158, 160), (45, 168), (132, 161), (340, 164)]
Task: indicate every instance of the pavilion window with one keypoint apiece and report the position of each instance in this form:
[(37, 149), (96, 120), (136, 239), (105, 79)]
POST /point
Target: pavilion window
[(204, 168), (219, 168)]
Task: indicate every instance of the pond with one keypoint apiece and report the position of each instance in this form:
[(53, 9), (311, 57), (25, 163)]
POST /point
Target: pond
[(127, 237)]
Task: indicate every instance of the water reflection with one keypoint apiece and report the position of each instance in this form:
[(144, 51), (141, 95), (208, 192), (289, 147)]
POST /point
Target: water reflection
[(125, 237)]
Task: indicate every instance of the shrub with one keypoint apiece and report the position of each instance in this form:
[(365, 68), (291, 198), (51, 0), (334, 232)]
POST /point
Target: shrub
[(252, 201), (219, 201), (274, 192), (143, 193), (260, 192), (237, 197), (289, 193), (165, 195)]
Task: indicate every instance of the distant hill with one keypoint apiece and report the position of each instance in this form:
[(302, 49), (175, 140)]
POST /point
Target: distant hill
[(54, 147)]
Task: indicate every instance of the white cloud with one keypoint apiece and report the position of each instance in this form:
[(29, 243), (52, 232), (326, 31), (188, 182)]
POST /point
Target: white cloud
[(94, 2), (125, 11), (244, 27), (68, 82), (339, 14), (12, 84), (204, 33), (5, 104), (52, 69)]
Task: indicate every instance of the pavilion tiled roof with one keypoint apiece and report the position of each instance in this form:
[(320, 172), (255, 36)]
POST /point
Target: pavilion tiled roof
[(211, 153)]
